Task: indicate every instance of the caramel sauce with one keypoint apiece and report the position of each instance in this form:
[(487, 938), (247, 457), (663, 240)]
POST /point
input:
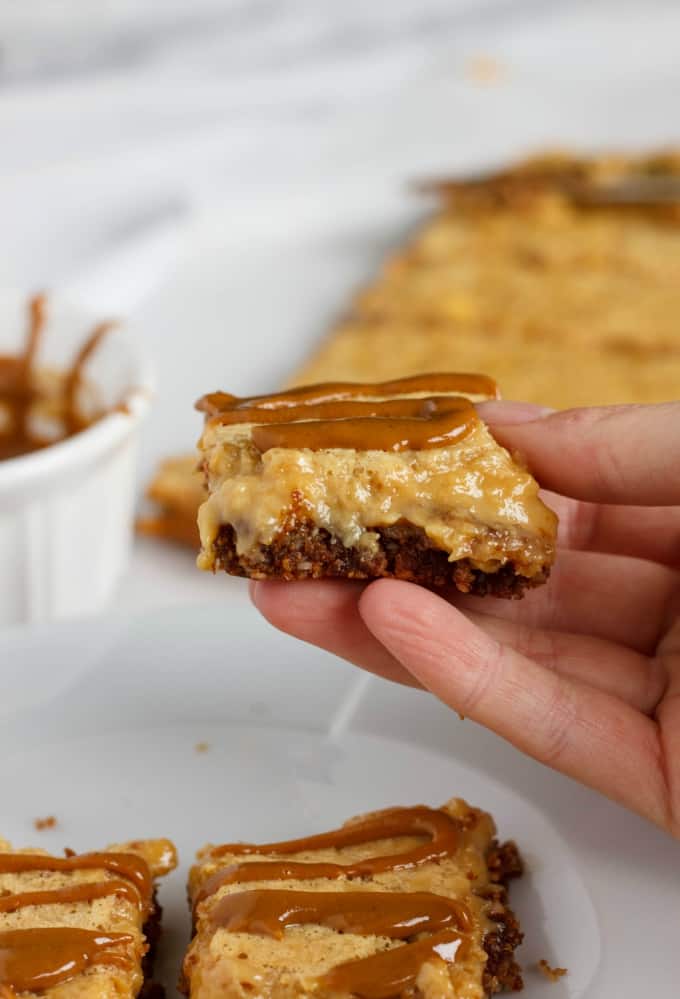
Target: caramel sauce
[(398, 915), (393, 972), (128, 866), (391, 914), (35, 960), (442, 841), (19, 393), (339, 414), (67, 896)]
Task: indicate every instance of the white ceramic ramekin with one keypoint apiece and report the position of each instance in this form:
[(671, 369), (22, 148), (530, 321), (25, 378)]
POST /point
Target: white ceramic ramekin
[(66, 512)]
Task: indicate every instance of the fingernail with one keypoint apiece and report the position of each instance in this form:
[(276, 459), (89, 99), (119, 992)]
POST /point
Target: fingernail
[(507, 413)]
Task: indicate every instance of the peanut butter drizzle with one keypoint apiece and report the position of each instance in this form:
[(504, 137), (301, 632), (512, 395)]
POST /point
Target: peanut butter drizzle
[(392, 972), (440, 829), (397, 915), (77, 893), (338, 414), (18, 392), (34, 960)]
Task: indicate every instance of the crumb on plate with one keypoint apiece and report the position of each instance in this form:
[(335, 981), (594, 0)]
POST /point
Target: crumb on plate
[(49, 822), (552, 974)]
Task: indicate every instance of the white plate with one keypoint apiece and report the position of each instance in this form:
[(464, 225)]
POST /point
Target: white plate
[(99, 723)]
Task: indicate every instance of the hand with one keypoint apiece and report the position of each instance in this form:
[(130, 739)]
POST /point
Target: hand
[(584, 673)]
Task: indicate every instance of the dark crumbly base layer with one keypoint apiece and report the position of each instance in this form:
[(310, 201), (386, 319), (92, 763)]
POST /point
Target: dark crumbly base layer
[(303, 551), (152, 932), (502, 973)]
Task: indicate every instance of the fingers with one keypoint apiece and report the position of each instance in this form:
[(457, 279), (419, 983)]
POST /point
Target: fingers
[(613, 669), (647, 532), (615, 454), (582, 732), (326, 614), (619, 599)]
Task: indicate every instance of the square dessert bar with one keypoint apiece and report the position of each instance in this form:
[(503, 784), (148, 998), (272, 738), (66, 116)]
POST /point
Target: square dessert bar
[(360, 481), (80, 926), (404, 902)]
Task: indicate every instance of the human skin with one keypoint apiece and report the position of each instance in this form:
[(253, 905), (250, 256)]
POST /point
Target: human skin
[(583, 674)]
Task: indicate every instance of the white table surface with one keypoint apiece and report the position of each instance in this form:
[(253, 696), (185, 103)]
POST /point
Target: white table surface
[(221, 112)]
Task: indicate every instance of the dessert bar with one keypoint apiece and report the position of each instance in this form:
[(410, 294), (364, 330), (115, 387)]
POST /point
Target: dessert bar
[(360, 481), (81, 926), (403, 902)]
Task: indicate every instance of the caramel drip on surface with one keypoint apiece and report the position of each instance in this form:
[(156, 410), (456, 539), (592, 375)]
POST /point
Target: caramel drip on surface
[(18, 391), (392, 972), (34, 960), (338, 414), (440, 829), (370, 913), (127, 866), (77, 893)]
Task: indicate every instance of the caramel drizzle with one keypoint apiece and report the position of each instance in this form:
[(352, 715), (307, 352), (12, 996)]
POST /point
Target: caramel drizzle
[(370, 913), (77, 893), (397, 915), (339, 414), (18, 393), (35, 959), (441, 830), (393, 972), (127, 866)]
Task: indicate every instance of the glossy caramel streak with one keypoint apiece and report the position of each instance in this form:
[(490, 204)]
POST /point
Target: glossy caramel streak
[(412, 425), (441, 830), (75, 893), (369, 913), (217, 403), (392, 972), (34, 960), (125, 865)]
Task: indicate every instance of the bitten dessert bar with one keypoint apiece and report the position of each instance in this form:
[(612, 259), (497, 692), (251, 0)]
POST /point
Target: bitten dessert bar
[(355, 480)]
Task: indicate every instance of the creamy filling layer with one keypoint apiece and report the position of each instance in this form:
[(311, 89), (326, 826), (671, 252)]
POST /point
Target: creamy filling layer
[(471, 499)]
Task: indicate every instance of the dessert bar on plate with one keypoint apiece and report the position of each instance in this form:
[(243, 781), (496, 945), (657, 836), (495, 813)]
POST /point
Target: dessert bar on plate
[(359, 481), (402, 902), (532, 275), (82, 926)]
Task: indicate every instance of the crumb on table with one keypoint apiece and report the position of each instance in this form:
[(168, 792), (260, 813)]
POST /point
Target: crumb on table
[(202, 747), (552, 974), (49, 822)]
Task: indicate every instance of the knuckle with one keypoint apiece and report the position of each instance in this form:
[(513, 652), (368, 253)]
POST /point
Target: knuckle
[(558, 722)]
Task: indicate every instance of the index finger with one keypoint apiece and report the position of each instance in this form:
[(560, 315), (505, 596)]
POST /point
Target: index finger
[(612, 454)]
